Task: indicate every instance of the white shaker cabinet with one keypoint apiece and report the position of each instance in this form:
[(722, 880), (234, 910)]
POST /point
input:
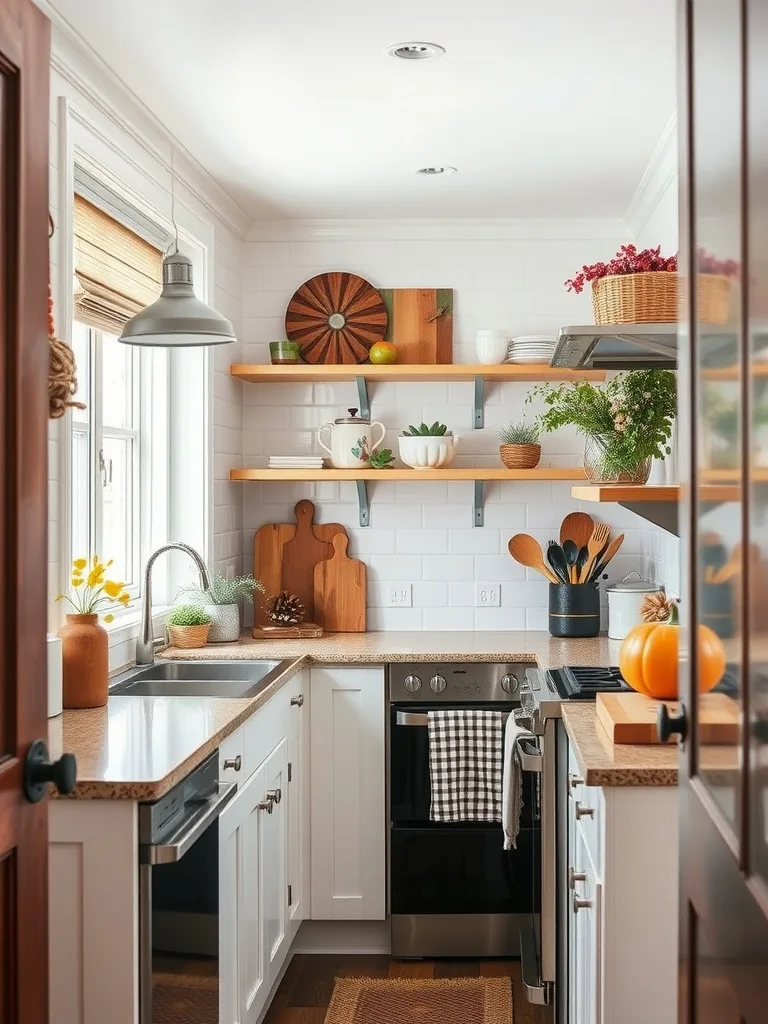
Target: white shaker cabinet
[(347, 762), (622, 895)]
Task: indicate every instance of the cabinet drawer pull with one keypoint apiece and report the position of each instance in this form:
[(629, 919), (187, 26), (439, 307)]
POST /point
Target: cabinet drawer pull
[(298, 700), (584, 812), (579, 904), (574, 877), (266, 805), (233, 763), (275, 795), (574, 781)]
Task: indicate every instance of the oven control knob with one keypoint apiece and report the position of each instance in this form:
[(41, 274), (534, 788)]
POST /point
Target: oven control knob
[(509, 684), (412, 684), (437, 684)]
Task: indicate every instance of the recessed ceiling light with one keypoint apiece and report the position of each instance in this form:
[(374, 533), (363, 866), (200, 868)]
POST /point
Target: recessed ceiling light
[(430, 172), (415, 51)]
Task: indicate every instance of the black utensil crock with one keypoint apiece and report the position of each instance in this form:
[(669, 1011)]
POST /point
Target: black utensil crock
[(574, 609)]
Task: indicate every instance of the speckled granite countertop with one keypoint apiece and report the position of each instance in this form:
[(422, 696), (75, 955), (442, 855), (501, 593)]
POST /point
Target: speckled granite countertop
[(603, 763), (137, 748)]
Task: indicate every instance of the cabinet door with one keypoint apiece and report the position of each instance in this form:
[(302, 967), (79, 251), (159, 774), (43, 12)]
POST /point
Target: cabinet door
[(585, 936), (273, 861), (243, 979), (348, 852), (298, 802)]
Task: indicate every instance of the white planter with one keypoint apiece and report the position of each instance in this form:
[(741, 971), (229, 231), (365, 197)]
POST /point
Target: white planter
[(428, 452), (225, 623)]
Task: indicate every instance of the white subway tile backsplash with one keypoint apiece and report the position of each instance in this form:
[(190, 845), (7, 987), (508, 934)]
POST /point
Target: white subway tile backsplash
[(430, 595), (500, 618), (449, 567), (406, 568), (395, 618), (473, 541), (440, 619), (422, 542)]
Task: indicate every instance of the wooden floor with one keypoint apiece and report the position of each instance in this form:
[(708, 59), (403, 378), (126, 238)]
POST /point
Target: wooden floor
[(305, 992)]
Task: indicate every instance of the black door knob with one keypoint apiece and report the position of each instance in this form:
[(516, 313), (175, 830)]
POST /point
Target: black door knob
[(668, 725), (39, 771)]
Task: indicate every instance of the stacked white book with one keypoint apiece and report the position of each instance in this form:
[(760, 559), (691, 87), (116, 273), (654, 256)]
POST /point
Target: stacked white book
[(295, 462)]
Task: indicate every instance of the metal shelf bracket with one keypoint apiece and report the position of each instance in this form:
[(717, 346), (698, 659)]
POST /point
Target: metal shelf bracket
[(479, 419), (362, 397), (663, 514), (362, 502), (479, 512)]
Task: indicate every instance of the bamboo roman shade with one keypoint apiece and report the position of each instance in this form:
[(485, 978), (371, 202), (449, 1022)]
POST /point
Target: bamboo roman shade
[(117, 273)]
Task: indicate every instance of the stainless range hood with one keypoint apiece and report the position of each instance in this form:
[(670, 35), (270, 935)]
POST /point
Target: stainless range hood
[(617, 347)]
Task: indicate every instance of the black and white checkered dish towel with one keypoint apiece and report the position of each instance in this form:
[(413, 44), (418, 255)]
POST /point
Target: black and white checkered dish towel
[(465, 765)]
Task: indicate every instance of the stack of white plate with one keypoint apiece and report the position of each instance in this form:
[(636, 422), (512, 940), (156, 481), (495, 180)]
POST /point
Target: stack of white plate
[(295, 462), (531, 348)]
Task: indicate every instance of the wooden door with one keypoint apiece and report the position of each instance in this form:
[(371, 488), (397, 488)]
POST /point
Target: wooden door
[(24, 119), (724, 413)]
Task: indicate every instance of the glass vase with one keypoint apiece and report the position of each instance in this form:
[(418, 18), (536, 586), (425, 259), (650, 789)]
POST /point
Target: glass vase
[(598, 472)]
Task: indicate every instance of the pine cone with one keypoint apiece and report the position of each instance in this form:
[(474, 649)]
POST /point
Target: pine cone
[(656, 607), (286, 610)]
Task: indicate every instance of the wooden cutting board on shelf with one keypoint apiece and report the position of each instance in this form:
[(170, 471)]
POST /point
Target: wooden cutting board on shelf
[(309, 545), (339, 584), (631, 717), (420, 323)]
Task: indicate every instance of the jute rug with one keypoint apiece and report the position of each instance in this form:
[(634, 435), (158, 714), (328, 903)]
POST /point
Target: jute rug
[(184, 999), (421, 1001)]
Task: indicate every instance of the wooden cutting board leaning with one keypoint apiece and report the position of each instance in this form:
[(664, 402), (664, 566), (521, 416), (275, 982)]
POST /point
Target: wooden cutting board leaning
[(340, 590), (420, 323), (631, 717)]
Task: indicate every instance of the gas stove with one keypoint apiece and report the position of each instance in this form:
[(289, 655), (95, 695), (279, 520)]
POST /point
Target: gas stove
[(583, 682)]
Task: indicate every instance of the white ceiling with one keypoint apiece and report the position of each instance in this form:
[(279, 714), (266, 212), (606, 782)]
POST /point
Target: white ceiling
[(548, 109)]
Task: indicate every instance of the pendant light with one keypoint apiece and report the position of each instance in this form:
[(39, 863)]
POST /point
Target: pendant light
[(178, 319)]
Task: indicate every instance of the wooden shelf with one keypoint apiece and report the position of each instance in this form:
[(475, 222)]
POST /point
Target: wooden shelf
[(330, 373), (400, 474), (626, 493)]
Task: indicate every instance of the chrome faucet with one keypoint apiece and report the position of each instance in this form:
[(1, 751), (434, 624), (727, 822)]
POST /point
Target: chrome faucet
[(145, 645)]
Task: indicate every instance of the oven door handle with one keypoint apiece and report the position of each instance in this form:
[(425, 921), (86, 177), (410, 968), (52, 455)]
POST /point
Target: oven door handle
[(420, 718), (181, 842)]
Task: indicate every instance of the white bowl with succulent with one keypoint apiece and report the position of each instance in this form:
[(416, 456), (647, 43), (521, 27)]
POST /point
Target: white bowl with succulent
[(520, 448), (221, 602), (428, 447), (188, 626)]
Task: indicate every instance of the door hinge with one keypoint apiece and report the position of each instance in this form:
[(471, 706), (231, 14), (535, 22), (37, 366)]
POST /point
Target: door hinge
[(290, 772), (290, 896)]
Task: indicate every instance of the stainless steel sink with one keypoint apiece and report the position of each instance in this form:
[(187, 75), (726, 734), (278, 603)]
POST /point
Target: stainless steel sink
[(197, 679)]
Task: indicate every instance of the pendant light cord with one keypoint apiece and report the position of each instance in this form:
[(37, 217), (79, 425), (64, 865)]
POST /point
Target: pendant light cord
[(173, 202)]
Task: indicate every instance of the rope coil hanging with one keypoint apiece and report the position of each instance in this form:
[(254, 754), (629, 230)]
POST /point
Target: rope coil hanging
[(62, 372)]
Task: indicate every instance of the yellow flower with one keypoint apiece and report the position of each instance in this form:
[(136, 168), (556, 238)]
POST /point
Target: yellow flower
[(80, 564), (109, 618), (112, 588), (77, 581), (124, 598), (96, 576)]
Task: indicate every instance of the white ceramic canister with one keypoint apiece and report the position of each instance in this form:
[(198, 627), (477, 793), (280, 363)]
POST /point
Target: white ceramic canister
[(55, 675), (624, 601), (351, 440)]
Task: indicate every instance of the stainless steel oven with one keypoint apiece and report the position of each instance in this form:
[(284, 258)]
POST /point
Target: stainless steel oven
[(454, 891)]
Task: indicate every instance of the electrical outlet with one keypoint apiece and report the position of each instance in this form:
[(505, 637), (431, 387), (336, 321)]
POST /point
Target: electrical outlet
[(487, 595), (399, 595)]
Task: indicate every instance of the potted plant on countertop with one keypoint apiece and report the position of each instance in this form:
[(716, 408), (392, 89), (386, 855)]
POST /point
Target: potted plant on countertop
[(188, 626), (220, 601), (428, 447), (85, 645), (520, 448), (626, 422)]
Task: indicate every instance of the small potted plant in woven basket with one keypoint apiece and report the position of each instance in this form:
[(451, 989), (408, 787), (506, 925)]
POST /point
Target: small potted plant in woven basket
[(520, 448), (642, 287), (188, 626)]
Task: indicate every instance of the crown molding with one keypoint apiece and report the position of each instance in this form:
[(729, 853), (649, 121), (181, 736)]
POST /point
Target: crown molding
[(87, 73), (658, 176), (459, 229)]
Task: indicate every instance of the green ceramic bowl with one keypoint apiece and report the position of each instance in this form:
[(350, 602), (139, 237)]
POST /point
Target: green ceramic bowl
[(285, 352)]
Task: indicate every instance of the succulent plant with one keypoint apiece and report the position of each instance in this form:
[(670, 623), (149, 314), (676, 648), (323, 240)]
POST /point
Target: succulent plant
[(381, 458), (436, 430), (519, 433), (188, 615)]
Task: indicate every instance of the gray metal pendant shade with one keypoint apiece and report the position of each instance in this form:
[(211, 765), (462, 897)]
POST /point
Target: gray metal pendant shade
[(178, 319)]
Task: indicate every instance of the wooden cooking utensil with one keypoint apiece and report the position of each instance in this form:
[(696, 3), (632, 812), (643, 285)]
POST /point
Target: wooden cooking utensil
[(339, 584), (595, 545), (578, 527), (527, 551), (606, 556), (300, 555)]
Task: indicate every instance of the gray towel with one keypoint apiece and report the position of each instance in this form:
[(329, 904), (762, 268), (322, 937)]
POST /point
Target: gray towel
[(512, 781)]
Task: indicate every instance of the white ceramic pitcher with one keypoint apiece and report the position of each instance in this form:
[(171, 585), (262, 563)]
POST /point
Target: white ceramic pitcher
[(351, 440)]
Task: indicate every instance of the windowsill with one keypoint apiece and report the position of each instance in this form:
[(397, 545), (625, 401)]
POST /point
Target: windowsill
[(126, 626)]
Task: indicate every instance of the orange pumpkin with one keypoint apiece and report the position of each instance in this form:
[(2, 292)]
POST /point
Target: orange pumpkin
[(649, 654)]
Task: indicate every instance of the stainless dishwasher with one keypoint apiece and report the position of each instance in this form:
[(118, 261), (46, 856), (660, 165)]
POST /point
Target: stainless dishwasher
[(179, 873)]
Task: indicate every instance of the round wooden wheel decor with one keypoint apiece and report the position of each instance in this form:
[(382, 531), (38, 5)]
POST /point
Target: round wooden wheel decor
[(336, 318)]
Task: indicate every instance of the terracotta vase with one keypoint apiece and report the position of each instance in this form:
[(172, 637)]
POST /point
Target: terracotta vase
[(85, 652)]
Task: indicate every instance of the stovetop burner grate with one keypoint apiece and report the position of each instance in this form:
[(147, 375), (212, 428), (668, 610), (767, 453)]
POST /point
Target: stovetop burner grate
[(582, 682)]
